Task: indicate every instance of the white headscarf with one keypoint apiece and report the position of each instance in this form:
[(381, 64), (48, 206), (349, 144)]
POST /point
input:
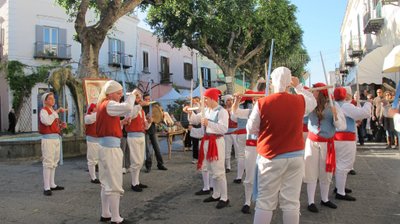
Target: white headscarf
[(281, 78), (226, 97), (111, 86), (44, 97)]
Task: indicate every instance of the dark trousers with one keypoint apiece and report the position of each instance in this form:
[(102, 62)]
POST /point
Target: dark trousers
[(188, 140), (152, 138), (195, 147)]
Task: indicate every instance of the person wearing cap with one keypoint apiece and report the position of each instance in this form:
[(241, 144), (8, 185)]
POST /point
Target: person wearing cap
[(136, 130), (212, 147), (319, 148), (109, 132), (50, 129), (345, 141), (280, 148), (92, 142), (230, 137), (250, 151)]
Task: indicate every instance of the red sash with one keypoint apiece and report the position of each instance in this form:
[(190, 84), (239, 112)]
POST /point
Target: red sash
[(212, 153), (345, 136), (305, 128), (240, 131), (251, 142), (330, 163)]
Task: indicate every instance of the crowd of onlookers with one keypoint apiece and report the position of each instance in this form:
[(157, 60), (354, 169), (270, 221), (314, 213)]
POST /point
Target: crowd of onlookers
[(380, 127)]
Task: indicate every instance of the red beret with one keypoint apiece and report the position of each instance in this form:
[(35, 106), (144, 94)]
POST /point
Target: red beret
[(306, 87), (320, 84), (91, 108), (212, 93), (340, 94)]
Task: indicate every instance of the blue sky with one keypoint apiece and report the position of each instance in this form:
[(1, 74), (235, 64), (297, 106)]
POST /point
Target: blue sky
[(321, 21)]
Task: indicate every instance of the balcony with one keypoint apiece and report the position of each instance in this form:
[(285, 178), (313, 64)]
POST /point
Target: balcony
[(52, 51), (349, 63), (115, 58), (165, 78), (353, 53), (373, 20)]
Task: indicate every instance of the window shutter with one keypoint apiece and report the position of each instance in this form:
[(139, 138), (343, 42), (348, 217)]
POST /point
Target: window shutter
[(124, 59), (62, 43), (110, 53), (39, 48)]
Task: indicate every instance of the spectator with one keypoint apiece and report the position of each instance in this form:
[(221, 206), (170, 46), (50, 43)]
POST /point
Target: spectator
[(12, 121)]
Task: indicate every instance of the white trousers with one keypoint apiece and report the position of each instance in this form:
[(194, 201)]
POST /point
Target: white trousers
[(137, 149), (92, 156), (250, 166), (230, 140), (315, 162), (110, 173), (50, 153), (345, 157)]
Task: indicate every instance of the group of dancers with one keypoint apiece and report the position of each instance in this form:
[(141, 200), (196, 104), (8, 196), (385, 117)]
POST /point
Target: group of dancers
[(291, 136)]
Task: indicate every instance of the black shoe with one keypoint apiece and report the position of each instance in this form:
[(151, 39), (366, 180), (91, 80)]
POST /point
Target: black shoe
[(202, 192), (237, 181), (211, 199), (329, 204), (147, 170), (388, 147), (352, 172), (222, 204), (227, 170), (57, 188), (246, 209), (162, 167), (312, 208), (95, 181), (346, 190), (143, 186), (103, 219), (345, 197), (47, 192), (122, 222), (136, 188)]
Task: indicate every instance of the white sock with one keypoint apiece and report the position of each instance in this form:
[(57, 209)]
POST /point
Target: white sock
[(291, 217), (92, 172), (262, 217), (211, 180), (135, 176), (324, 188), (340, 178), (228, 163), (52, 176), (311, 192), (114, 207), (46, 178), (248, 191), (216, 189), (240, 168), (206, 180), (223, 188), (105, 205)]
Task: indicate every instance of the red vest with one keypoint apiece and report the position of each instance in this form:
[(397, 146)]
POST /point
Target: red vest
[(281, 126), (137, 124), (231, 123), (54, 128), (90, 129), (106, 125)]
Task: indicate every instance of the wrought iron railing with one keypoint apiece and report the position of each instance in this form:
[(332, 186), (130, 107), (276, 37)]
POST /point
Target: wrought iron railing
[(52, 51)]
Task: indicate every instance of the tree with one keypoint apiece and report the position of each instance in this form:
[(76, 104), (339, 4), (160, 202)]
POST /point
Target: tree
[(229, 32), (92, 36)]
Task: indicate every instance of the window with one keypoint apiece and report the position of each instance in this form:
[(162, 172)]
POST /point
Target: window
[(145, 61), (165, 76), (115, 47), (206, 75), (187, 71), (50, 39)]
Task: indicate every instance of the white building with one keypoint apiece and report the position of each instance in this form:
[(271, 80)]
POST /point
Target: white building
[(370, 30)]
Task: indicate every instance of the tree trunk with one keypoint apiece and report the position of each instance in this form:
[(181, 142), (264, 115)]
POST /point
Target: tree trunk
[(229, 72), (89, 65)]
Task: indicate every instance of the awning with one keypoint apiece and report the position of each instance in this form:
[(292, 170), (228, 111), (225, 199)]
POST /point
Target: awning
[(370, 67), (391, 62)]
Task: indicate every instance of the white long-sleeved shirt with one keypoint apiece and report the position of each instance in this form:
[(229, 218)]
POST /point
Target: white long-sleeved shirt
[(357, 113), (396, 120), (220, 127), (121, 109), (48, 119), (90, 118), (253, 124)]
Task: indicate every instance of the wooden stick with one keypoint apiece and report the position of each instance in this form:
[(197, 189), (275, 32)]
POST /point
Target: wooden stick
[(192, 108), (253, 95), (319, 88), (326, 79)]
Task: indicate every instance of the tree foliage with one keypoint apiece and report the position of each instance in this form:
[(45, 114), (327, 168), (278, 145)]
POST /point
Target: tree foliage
[(229, 32)]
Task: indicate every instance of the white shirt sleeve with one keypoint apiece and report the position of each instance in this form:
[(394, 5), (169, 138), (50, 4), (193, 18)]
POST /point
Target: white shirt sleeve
[(135, 111), (121, 109), (241, 113), (47, 119), (90, 118), (253, 123), (220, 127), (357, 113), (309, 98), (340, 123), (396, 120)]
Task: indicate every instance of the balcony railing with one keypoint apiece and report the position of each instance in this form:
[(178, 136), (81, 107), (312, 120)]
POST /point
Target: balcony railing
[(355, 49), (115, 58), (165, 78), (52, 51), (373, 20)]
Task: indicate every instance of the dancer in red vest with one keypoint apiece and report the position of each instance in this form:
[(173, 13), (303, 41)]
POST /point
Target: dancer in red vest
[(92, 142), (108, 129), (345, 141), (280, 147), (319, 149), (136, 130), (50, 128), (212, 147)]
